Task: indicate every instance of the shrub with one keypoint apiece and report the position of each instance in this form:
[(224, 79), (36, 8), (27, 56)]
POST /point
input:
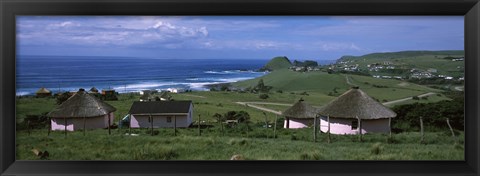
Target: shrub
[(415, 98), (263, 96), (376, 148)]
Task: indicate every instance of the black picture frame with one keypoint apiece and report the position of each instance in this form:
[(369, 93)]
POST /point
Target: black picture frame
[(10, 8)]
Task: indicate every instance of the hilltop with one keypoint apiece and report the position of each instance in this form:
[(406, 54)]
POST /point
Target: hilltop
[(279, 62), (403, 54)]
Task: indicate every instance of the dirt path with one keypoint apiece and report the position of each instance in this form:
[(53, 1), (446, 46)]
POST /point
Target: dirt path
[(260, 108), (406, 99), (254, 104), (348, 81), (198, 96)]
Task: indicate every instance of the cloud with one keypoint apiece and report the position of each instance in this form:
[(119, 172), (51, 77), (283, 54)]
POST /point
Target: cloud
[(101, 32)]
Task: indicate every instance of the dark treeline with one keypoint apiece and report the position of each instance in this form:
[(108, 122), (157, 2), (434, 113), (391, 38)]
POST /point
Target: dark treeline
[(434, 115)]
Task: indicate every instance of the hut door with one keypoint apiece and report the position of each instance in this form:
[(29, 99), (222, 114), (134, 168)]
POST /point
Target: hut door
[(354, 124)]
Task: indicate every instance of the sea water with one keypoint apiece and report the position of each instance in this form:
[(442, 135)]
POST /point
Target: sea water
[(130, 74), (69, 73)]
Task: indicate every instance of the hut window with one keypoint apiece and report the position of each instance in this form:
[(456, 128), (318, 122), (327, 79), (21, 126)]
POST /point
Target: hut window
[(169, 119), (354, 125)]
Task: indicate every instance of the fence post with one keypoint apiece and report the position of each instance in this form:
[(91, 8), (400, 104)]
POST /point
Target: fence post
[(451, 129), (422, 140), (315, 129), (328, 119), (275, 127), (199, 132), (359, 128)]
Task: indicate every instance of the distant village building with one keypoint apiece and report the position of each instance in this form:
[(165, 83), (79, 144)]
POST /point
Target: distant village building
[(109, 95), (43, 92), (175, 90), (161, 114), (93, 90), (80, 111), (354, 111), (300, 115)]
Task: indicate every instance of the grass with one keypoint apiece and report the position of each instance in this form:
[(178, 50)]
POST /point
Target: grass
[(258, 143), (98, 145)]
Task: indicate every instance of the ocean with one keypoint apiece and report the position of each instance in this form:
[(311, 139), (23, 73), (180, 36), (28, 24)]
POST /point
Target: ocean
[(69, 73)]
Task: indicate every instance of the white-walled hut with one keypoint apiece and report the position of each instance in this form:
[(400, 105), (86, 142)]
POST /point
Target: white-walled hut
[(300, 115), (43, 92), (161, 114), (354, 111), (81, 111)]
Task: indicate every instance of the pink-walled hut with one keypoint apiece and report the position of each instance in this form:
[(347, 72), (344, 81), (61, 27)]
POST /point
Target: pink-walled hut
[(81, 111), (354, 112)]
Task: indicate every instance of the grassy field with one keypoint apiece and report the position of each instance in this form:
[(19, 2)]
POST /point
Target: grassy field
[(257, 144)]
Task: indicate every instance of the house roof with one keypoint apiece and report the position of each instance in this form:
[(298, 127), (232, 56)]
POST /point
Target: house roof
[(355, 103), (165, 95), (302, 110), (147, 96), (93, 89), (82, 104), (160, 107), (43, 90)]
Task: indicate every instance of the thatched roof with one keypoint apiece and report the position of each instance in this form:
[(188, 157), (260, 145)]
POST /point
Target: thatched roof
[(93, 89), (355, 103), (43, 90), (82, 104), (301, 110)]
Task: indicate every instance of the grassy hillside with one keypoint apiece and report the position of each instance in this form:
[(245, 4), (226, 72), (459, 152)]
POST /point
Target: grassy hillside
[(336, 84), (421, 60), (276, 63)]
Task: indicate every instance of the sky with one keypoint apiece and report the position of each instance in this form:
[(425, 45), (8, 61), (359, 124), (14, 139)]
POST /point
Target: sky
[(235, 37)]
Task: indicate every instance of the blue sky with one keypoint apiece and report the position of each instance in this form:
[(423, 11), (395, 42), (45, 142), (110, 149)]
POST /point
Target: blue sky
[(249, 37)]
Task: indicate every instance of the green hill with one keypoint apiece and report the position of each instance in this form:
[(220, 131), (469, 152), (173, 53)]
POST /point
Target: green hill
[(276, 63), (404, 54), (336, 84), (403, 61)]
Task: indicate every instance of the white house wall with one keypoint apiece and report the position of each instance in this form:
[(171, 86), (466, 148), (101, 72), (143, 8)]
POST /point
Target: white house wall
[(344, 126), (159, 121)]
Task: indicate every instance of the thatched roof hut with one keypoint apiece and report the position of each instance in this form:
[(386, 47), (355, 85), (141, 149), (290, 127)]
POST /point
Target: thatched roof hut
[(81, 111), (94, 90), (300, 115), (82, 104), (301, 110), (356, 103), (354, 112), (43, 92)]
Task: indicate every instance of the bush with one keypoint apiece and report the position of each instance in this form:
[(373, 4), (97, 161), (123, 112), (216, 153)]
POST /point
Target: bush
[(376, 148), (263, 96), (415, 98)]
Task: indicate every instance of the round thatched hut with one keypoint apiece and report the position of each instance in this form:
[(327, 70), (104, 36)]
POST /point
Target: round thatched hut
[(80, 111), (93, 90), (354, 111), (43, 92), (300, 115)]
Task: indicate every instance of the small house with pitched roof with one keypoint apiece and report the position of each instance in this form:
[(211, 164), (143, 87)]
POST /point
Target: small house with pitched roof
[(161, 114)]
